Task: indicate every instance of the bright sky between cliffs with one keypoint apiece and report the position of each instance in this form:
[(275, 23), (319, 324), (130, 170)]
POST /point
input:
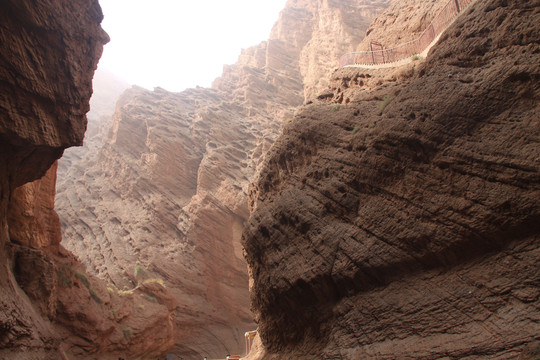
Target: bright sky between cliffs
[(178, 44)]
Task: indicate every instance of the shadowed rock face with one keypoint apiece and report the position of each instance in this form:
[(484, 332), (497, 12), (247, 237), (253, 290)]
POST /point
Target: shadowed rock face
[(46, 88), (49, 52), (410, 227), (169, 186), (51, 308)]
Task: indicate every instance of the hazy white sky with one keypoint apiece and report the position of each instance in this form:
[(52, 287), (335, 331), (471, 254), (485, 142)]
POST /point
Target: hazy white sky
[(178, 44)]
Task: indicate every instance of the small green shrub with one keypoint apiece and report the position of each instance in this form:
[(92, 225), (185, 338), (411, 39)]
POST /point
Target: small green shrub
[(123, 293), (139, 272), (95, 296), (384, 102), (83, 278), (128, 332), (335, 108), (355, 130), (65, 276), (416, 57), (150, 298)]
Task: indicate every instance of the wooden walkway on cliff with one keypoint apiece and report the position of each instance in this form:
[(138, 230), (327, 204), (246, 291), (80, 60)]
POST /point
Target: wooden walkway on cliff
[(409, 49)]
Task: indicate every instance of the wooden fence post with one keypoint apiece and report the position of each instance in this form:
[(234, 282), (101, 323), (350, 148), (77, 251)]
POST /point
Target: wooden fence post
[(457, 6)]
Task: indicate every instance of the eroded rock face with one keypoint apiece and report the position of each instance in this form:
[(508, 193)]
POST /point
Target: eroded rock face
[(333, 28), (49, 51), (107, 89), (168, 189), (51, 308), (32, 221), (147, 175), (46, 113), (407, 20), (406, 222)]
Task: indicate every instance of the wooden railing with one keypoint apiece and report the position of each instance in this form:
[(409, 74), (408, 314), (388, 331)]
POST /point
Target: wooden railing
[(411, 48)]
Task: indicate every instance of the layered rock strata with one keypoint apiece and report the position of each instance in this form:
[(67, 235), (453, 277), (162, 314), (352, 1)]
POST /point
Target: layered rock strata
[(167, 192), (401, 220), (50, 307), (45, 94), (407, 20), (107, 88)]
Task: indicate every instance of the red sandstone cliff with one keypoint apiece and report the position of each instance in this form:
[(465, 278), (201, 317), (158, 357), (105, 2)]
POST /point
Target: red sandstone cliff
[(50, 307), (168, 190), (403, 21), (400, 218), (45, 94), (405, 227)]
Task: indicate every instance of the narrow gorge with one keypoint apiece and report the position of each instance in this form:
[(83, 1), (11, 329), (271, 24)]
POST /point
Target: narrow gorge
[(348, 213), (167, 190)]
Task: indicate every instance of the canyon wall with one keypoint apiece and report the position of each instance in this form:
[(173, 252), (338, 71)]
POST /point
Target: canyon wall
[(45, 94), (107, 88), (398, 214), (403, 21), (167, 191), (51, 308)]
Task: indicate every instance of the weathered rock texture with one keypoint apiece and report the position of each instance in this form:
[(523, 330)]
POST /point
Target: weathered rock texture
[(45, 93), (32, 220), (107, 88), (51, 309), (406, 19), (330, 29), (168, 189), (409, 227)]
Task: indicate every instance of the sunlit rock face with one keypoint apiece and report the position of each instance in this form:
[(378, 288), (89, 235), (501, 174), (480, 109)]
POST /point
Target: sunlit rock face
[(408, 20), (400, 218), (107, 89), (168, 188), (32, 220)]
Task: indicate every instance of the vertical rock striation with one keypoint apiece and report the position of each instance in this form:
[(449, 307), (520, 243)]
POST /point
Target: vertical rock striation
[(31, 218), (402, 220)]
